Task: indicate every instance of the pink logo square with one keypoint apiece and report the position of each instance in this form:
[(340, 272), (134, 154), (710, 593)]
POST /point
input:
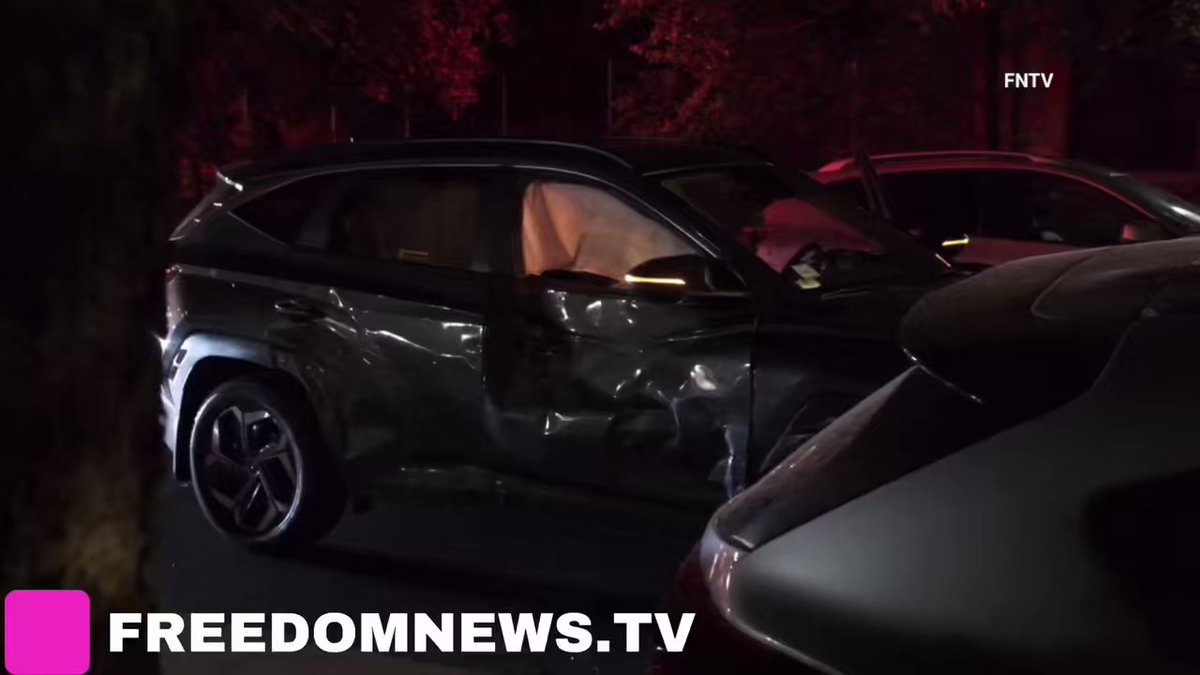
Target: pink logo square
[(47, 632)]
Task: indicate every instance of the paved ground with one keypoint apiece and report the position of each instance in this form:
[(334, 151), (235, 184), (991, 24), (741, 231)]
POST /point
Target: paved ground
[(422, 558)]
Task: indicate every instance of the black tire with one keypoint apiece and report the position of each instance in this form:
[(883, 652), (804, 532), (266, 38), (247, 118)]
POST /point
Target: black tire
[(260, 468)]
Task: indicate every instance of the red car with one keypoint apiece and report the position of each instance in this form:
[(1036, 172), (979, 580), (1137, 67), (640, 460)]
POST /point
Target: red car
[(984, 208)]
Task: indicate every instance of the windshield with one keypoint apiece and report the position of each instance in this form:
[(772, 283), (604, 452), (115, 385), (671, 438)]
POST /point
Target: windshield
[(1167, 204), (1161, 202), (798, 229)]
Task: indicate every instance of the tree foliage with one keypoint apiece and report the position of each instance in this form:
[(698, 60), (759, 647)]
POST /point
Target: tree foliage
[(821, 78), (385, 48), (805, 72), (263, 69)]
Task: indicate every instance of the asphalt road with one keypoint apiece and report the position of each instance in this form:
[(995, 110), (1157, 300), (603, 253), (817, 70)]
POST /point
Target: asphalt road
[(423, 556)]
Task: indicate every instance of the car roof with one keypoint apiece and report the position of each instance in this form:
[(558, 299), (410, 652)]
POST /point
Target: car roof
[(642, 155), (1151, 201)]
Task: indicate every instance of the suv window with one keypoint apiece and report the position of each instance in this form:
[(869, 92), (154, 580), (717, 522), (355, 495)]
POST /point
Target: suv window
[(580, 229), (850, 192), (284, 212), (411, 216), (934, 206), (1030, 206)]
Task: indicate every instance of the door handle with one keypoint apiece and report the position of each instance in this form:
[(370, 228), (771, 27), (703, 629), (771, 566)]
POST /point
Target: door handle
[(298, 310)]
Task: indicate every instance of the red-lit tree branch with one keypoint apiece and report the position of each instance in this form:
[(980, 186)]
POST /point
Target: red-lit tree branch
[(262, 68), (823, 78)]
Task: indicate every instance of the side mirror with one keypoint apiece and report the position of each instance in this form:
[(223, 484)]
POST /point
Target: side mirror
[(682, 272), (954, 246), (1140, 230)]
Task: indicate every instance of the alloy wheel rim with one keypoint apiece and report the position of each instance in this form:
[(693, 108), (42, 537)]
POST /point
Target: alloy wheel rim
[(251, 470)]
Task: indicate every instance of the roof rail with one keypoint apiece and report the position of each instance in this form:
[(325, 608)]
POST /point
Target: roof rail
[(848, 162), (379, 148)]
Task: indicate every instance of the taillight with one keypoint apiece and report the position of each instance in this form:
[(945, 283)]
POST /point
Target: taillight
[(714, 644)]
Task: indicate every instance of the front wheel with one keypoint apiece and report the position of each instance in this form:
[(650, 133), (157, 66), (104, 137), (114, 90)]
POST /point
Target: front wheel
[(260, 469)]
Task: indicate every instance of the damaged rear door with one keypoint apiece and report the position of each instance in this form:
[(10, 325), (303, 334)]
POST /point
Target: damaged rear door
[(606, 368)]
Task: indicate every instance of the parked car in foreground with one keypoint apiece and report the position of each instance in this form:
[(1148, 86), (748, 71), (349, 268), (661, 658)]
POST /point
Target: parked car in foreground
[(538, 316), (1021, 501), (984, 208)]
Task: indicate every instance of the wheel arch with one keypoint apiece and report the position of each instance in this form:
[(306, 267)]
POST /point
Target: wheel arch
[(210, 361)]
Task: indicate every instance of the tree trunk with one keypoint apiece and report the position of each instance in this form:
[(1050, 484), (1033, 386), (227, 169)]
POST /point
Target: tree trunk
[(90, 103), (988, 77)]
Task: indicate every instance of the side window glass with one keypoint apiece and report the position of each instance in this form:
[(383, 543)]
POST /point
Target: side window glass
[(412, 217), (789, 231), (1053, 209), (583, 232), (284, 212), (850, 192), (934, 207)]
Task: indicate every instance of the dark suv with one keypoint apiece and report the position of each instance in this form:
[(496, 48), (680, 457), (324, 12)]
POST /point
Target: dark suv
[(1021, 501), (985, 208), (515, 314)]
